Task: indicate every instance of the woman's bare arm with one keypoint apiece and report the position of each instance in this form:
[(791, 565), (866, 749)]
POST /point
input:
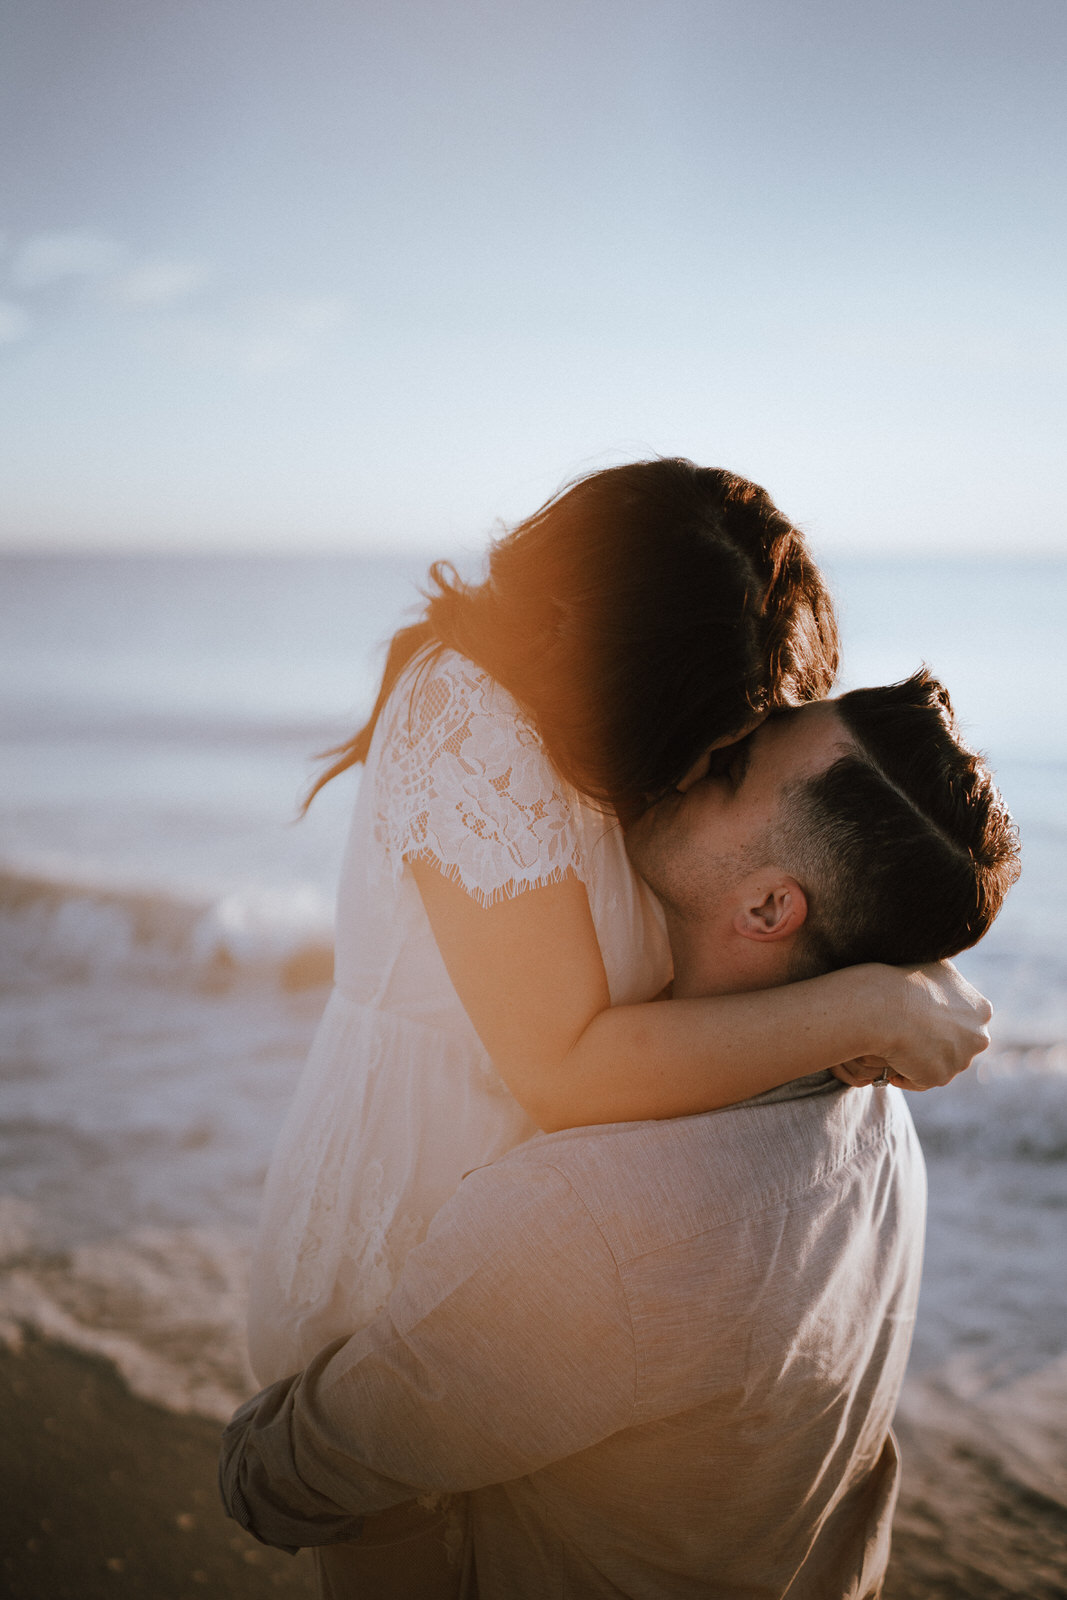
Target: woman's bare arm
[(531, 978)]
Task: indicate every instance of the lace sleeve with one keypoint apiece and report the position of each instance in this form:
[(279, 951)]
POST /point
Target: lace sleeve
[(463, 781)]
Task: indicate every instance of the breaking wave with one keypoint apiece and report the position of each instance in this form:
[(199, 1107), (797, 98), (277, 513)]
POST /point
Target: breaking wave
[(72, 928)]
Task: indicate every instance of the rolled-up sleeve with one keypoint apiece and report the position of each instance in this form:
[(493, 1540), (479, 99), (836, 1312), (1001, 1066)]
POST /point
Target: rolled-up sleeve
[(507, 1344)]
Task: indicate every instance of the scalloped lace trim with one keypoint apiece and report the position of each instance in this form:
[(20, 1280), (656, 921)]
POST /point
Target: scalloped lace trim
[(463, 781)]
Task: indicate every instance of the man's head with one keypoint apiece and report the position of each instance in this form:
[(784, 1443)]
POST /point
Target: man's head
[(858, 829)]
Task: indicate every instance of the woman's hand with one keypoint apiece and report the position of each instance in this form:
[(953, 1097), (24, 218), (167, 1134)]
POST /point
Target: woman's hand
[(936, 1023)]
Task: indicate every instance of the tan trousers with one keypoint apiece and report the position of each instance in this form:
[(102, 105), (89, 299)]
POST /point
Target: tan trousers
[(401, 1554)]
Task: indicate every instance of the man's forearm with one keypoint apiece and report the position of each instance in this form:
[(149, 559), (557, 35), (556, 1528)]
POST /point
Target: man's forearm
[(279, 1491), (426, 1398)]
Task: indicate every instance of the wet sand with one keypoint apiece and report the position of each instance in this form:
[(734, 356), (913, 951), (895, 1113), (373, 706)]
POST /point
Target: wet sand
[(105, 1495), (965, 1530)]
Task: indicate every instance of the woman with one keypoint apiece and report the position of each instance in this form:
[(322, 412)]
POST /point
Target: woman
[(495, 952)]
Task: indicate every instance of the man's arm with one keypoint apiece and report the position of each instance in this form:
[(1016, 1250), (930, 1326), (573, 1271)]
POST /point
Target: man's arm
[(506, 1345)]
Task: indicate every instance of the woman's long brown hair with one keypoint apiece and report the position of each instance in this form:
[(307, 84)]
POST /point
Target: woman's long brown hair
[(641, 614)]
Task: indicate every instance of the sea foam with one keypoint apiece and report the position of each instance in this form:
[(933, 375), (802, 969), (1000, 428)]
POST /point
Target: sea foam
[(75, 927)]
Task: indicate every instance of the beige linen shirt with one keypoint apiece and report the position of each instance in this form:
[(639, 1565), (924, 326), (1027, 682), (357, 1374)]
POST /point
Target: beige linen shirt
[(657, 1359)]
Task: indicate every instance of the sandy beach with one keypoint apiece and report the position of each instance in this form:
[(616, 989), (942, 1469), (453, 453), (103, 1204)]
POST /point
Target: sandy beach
[(964, 1530), (106, 1495)]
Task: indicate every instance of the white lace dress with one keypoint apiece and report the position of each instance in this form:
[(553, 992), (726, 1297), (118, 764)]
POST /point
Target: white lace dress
[(399, 1099)]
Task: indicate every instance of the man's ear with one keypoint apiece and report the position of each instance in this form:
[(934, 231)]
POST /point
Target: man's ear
[(770, 908)]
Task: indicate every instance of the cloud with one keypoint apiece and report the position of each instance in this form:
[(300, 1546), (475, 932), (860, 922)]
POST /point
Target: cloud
[(48, 258), (253, 335), (160, 282), (257, 338), (285, 329), (15, 323), (310, 316)]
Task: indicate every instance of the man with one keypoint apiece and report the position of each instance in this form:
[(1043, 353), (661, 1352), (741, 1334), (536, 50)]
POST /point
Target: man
[(661, 1359)]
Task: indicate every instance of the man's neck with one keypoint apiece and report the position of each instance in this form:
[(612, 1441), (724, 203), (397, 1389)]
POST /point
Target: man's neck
[(701, 964), (708, 963)]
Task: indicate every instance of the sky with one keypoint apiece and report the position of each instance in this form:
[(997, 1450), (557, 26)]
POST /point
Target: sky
[(345, 276)]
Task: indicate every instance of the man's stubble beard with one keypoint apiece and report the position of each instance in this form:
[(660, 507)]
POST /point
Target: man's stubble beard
[(688, 880)]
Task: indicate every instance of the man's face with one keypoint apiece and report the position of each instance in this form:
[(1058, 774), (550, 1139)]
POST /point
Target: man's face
[(692, 847)]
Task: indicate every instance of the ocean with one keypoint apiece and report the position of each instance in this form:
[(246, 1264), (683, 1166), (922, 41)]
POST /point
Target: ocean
[(166, 931)]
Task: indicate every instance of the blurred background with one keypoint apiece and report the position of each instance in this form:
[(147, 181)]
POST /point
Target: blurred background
[(296, 298)]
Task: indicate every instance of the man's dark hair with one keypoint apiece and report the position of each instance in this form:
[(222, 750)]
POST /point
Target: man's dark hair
[(904, 846)]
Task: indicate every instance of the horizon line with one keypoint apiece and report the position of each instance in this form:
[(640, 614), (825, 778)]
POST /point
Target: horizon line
[(318, 552)]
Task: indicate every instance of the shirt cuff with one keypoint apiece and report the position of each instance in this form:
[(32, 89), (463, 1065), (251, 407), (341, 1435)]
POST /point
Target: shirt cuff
[(252, 1499)]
